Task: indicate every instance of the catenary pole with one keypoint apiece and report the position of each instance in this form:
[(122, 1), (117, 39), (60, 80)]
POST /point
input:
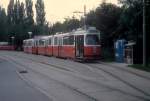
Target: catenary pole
[(144, 35)]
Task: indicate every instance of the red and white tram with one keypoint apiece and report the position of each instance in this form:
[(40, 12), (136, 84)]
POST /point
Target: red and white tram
[(80, 44)]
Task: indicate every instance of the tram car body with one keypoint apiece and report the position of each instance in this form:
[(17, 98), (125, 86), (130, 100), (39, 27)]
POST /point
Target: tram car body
[(78, 45), (35, 46), (56, 45), (25, 46), (28, 45), (49, 46), (87, 44), (42, 46)]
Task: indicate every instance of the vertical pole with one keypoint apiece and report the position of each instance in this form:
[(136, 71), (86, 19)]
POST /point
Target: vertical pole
[(13, 43), (144, 35), (85, 17)]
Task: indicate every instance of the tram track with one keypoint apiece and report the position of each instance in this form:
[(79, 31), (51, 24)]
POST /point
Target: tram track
[(120, 79), (102, 63), (62, 83), (122, 69), (42, 62), (139, 90)]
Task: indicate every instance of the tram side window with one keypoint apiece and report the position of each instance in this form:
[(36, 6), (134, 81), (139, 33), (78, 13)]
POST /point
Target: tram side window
[(41, 42), (93, 31), (46, 42), (69, 40), (65, 40), (92, 40), (60, 41), (50, 41), (55, 41), (36, 43), (29, 43)]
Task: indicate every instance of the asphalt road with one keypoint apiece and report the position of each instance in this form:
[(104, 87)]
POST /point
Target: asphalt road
[(52, 79)]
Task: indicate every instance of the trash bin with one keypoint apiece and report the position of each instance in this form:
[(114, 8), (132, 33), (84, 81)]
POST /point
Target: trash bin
[(119, 50)]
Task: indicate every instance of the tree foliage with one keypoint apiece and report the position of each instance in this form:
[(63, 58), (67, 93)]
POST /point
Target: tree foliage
[(68, 25), (3, 25), (19, 20), (10, 12), (40, 12), (41, 23), (29, 12), (131, 19)]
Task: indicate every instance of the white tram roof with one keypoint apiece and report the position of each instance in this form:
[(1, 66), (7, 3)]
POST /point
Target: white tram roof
[(90, 30), (61, 34), (79, 31), (29, 40)]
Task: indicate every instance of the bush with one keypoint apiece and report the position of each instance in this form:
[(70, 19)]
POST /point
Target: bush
[(108, 54)]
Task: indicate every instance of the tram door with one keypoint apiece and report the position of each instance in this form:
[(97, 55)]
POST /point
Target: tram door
[(79, 45)]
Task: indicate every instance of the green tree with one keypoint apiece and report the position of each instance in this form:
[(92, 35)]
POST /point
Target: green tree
[(91, 18), (17, 25), (68, 25), (106, 21), (129, 3), (40, 12), (40, 17), (29, 21), (3, 25), (131, 21), (29, 12), (10, 11)]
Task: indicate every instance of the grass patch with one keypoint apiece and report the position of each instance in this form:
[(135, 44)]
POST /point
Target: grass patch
[(108, 55), (140, 67)]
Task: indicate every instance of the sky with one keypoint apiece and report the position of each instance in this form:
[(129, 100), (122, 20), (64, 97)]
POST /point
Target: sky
[(58, 10)]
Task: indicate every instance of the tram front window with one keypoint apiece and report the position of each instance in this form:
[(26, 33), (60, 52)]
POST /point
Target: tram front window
[(92, 40)]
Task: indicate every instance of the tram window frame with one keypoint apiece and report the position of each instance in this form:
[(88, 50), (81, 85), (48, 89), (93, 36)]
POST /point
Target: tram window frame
[(55, 41), (41, 42), (60, 41), (30, 43), (65, 40), (36, 42), (93, 31), (50, 41), (95, 43), (68, 40), (71, 40), (46, 42)]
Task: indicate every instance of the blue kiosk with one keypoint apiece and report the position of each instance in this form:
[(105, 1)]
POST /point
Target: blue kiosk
[(119, 47)]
